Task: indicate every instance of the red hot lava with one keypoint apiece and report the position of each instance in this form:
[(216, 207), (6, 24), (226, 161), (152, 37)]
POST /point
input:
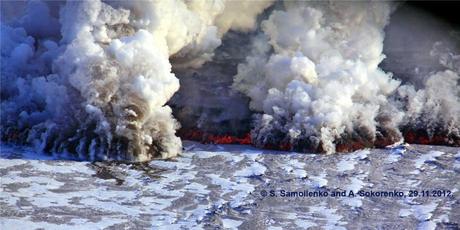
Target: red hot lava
[(198, 135), (422, 137), (410, 136)]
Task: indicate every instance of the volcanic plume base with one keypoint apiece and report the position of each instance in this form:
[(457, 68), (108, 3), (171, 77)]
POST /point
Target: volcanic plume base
[(278, 140)]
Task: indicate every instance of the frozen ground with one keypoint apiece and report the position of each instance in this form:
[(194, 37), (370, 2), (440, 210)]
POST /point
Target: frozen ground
[(214, 187)]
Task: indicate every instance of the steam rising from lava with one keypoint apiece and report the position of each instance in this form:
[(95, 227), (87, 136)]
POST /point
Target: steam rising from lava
[(92, 79), (97, 86), (315, 79), (314, 75)]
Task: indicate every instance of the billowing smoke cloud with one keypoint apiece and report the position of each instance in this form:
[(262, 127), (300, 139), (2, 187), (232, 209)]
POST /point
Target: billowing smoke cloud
[(314, 76), (423, 51), (435, 108), (92, 78)]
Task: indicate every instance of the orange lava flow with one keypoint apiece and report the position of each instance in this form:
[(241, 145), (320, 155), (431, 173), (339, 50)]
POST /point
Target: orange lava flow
[(421, 137), (198, 135), (410, 136)]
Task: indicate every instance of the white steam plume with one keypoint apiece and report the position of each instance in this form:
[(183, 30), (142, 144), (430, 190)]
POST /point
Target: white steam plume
[(314, 75), (314, 79), (92, 78), (435, 108)]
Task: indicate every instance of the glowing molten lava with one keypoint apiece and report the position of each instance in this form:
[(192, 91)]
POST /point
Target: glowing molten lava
[(198, 135), (342, 145), (346, 144), (422, 137)]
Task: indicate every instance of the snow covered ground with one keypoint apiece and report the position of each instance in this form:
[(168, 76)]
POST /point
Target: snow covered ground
[(231, 186)]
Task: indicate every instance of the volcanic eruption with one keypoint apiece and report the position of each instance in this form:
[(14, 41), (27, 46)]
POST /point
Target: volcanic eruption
[(122, 80)]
